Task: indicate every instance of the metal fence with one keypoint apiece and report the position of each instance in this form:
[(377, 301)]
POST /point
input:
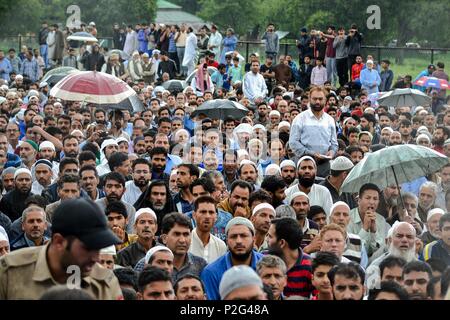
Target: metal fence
[(404, 60)]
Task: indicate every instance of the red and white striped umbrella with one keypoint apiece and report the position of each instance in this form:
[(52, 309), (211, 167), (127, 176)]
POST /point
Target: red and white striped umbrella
[(93, 87)]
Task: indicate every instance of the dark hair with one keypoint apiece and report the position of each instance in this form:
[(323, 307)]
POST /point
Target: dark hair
[(170, 220), (152, 274), (163, 119), (89, 146), (206, 183), (86, 156), (116, 177), (390, 262), (157, 150), (66, 161), (203, 199), (229, 152), (368, 186), (67, 178), (352, 149), (445, 282), (141, 161), (193, 170), (116, 207), (437, 265), (36, 200), (128, 293), (62, 292), (418, 266), (126, 276), (88, 168), (65, 117), (445, 129), (349, 270), (241, 184), (390, 287), (324, 258), (445, 218), (273, 183), (259, 195), (289, 230), (68, 137), (315, 210), (370, 118), (116, 160), (188, 276)]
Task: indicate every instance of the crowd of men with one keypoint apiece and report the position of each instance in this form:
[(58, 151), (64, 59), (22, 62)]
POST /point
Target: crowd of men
[(161, 205)]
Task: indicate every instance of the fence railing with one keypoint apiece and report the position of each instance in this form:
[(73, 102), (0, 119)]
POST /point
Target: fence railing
[(404, 60)]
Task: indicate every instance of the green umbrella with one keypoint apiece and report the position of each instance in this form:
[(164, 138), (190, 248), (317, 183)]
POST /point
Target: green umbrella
[(394, 165)]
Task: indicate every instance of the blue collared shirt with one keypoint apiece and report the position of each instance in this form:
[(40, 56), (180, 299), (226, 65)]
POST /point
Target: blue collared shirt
[(172, 161), (212, 274), (310, 135), (30, 69)]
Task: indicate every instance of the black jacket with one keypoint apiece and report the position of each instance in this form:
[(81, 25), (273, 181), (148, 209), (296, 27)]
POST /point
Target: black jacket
[(168, 66), (13, 204)]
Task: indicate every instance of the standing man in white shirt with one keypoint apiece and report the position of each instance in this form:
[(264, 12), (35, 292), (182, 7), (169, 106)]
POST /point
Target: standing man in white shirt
[(203, 243), (190, 53), (254, 85), (215, 40), (142, 175)]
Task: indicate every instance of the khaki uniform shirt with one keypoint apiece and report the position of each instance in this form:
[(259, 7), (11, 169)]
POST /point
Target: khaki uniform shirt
[(25, 274)]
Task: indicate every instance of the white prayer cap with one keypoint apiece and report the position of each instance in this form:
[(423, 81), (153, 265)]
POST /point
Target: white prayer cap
[(287, 163), (22, 170), (433, 212), (145, 210), (47, 144), (295, 195), (109, 250), (263, 206), (108, 142), (272, 169), (153, 250)]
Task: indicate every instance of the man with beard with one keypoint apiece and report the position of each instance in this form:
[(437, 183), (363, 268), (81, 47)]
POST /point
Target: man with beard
[(186, 174), (13, 203), (230, 167), (204, 244), (388, 201), (176, 235), (440, 134), (145, 224), (262, 114), (310, 230), (284, 239), (416, 275), (288, 172), (339, 170), (440, 249), (67, 166), (8, 179), (63, 123), (34, 225), (238, 200), (119, 162), (28, 153), (43, 175), (142, 175), (117, 217), (443, 186), (313, 133), (114, 190), (139, 146), (240, 242), (47, 151), (405, 130), (427, 197), (365, 221), (189, 287), (70, 146), (368, 123), (276, 187), (318, 195), (262, 215), (248, 172), (347, 281), (402, 245), (395, 139), (12, 159), (108, 147), (68, 188), (347, 124), (433, 233), (158, 159), (72, 244), (89, 182), (158, 198)]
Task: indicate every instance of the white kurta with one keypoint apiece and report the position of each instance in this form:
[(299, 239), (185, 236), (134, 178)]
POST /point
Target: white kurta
[(132, 193), (131, 43), (51, 42), (190, 52), (215, 39)]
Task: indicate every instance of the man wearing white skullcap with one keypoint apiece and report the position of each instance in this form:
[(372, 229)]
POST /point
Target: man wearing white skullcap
[(107, 257), (4, 242), (262, 215), (161, 257), (146, 225), (339, 170), (108, 147), (432, 232), (13, 203), (288, 172)]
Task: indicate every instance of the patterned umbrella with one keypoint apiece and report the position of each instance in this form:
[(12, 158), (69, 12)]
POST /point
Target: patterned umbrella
[(93, 87), (432, 82)]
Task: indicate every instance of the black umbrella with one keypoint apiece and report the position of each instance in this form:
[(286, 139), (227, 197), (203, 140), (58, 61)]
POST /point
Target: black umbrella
[(174, 85), (220, 109), (132, 104)]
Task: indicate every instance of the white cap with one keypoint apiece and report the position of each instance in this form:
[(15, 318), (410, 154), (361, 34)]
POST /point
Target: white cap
[(122, 139), (284, 124), (246, 161), (22, 170), (261, 206), (153, 250), (259, 126), (287, 163), (92, 23), (295, 195), (434, 211), (145, 210), (43, 84), (32, 93), (109, 250), (423, 136), (47, 144), (272, 167), (19, 76), (77, 131), (348, 98), (243, 128), (274, 112), (341, 164), (306, 158), (337, 204), (369, 61), (108, 142)]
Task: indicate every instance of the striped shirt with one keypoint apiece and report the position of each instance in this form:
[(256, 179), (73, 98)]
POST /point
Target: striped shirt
[(299, 277)]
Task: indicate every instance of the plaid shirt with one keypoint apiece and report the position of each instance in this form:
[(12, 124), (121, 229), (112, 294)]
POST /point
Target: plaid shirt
[(30, 69)]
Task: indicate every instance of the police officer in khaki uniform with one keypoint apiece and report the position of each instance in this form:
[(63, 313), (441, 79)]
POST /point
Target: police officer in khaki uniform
[(71, 257)]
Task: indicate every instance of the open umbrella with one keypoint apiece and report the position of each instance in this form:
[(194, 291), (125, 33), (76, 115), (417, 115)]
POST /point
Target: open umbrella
[(220, 109), (394, 165), (188, 80), (82, 36), (121, 53), (55, 75), (174, 85), (404, 97), (132, 104), (432, 82), (93, 87)]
